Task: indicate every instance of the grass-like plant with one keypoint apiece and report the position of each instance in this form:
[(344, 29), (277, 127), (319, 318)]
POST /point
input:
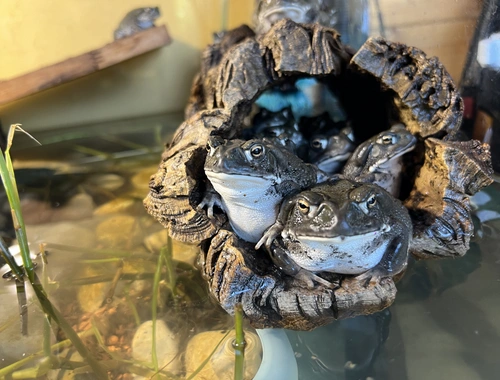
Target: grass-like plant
[(10, 185), (239, 343)]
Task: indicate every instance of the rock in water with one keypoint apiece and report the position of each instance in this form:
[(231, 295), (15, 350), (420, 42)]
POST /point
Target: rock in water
[(221, 363), (167, 346)]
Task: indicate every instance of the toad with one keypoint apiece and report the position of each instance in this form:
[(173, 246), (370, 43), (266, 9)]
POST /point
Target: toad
[(250, 179), (329, 152), (379, 159), (342, 227)]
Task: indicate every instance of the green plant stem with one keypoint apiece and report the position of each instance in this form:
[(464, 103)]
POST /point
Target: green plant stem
[(46, 335), (126, 143), (97, 252), (9, 183), (91, 152), (239, 343), (154, 306), (166, 253), (105, 278), (46, 321), (40, 369), (54, 314), (23, 305), (133, 309), (102, 261)]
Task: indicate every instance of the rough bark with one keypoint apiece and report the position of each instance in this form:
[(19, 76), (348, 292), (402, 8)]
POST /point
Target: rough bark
[(204, 82), (179, 184), (306, 49), (425, 95), (439, 202)]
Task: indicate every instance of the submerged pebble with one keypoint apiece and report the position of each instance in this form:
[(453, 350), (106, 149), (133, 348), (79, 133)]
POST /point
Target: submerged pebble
[(140, 180), (167, 346), (108, 181), (119, 205), (67, 233), (221, 364), (181, 252), (91, 297), (119, 231), (78, 207)]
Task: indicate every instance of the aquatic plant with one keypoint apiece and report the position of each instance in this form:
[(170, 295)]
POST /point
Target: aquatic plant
[(10, 186), (239, 343)]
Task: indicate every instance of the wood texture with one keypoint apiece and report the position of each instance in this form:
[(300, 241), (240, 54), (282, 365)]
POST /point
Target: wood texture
[(439, 203), (87, 63), (429, 103), (178, 185), (236, 273)]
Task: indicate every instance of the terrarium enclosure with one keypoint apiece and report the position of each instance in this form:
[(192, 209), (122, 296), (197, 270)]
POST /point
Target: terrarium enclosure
[(151, 292)]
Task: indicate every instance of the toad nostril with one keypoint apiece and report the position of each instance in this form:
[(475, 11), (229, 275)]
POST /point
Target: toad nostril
[(156, 189), (155, 184)]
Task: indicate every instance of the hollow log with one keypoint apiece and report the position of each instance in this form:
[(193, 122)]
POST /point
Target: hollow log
[(234, 72)]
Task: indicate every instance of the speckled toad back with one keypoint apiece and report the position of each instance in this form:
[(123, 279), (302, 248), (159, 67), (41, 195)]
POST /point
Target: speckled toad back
[(137, 20)]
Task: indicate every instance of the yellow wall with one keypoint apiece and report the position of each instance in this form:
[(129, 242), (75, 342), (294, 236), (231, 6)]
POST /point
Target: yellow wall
[(36, 33)]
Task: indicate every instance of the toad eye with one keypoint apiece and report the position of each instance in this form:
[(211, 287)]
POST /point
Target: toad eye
[(318, 143), (372, 201), (303, 206), (257, 151), (388, 140)]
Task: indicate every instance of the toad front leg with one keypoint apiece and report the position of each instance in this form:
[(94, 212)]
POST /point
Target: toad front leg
[(285, 263), (210, 200), (269, 236)]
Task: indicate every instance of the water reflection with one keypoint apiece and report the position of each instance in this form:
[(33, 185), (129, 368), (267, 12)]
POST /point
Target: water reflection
[(348, 349)]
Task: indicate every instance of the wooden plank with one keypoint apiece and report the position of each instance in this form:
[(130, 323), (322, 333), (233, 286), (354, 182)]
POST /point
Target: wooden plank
[(84, 64)]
